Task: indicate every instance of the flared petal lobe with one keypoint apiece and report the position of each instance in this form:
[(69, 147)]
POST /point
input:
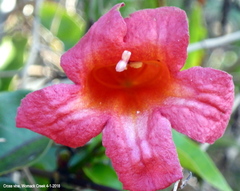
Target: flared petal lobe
[(102, 44), (158, 34), (153, 34), (204, 110), (59, 112), (142, 151)]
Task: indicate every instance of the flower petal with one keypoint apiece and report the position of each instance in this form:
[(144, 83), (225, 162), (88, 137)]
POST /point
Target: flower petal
[(59, 113), (102, 43), (153, 34), (203, 110), (158, 34), (142, 151)]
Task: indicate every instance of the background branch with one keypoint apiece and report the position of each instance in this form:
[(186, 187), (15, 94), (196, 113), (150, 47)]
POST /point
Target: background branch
[(214, 42), (35, 43)]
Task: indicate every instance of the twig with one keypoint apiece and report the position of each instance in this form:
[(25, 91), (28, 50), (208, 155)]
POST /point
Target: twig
[(8, 74), (30, 178), (35, 43), (176, 186), (184, 183), (56, 19), (41, 173), (204, 146), (215, 42), (180, 184), (236, 103)]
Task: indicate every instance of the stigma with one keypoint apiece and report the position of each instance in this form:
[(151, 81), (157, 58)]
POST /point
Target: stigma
[(124, 62)]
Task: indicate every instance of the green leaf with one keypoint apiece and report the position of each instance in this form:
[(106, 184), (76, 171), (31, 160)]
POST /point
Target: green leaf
[(104, 175), (197, 161), (19, 147), (24, 155)]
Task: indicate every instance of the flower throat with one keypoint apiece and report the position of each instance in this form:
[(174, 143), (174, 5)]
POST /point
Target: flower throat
[(128, 83)]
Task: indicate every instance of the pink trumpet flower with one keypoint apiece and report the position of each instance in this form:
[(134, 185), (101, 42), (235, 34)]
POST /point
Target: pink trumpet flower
[(128, 85)]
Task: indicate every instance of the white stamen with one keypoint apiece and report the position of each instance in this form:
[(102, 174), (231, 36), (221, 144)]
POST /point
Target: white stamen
[(122, 64), (135, 64), (126, 55)]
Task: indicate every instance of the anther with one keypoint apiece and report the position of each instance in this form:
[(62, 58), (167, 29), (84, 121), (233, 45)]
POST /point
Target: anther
[(122, 64), (126, 55), (135, 64)]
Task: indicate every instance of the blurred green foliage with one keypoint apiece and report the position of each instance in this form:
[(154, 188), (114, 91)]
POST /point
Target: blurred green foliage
[(61, 26), (13, 54), (21, 147), (69, 28)]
